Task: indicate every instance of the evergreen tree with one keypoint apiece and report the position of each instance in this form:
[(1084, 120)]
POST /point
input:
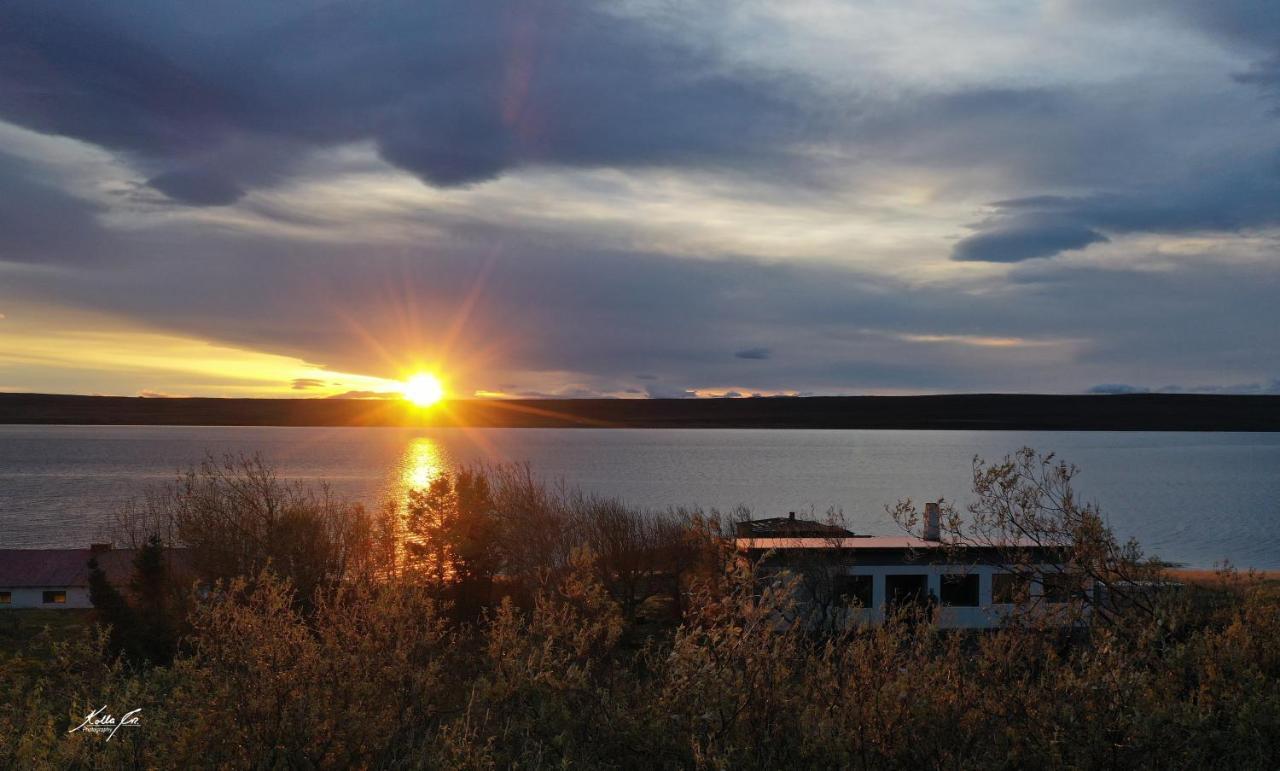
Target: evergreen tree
[(151, 595), (112, 610)]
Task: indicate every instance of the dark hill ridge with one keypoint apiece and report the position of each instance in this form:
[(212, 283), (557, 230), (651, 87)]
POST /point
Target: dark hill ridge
[(1128, 412)]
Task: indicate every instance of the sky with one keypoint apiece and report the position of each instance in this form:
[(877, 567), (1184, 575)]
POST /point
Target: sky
[(316, 198)]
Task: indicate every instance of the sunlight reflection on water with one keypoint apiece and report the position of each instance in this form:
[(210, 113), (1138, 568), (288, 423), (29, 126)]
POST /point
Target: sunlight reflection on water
[(423, 461)]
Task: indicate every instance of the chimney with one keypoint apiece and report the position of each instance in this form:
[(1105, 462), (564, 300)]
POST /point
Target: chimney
[(791, 515), (932, 522), (98, 548)]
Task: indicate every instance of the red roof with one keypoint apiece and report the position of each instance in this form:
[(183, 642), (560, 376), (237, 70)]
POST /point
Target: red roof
[(63, 567)]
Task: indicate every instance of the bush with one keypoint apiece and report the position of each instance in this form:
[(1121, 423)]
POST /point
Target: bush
[(378, 673)]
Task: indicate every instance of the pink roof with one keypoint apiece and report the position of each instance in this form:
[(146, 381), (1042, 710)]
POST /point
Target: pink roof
[(866, 542), (62, 567), (872, 542)]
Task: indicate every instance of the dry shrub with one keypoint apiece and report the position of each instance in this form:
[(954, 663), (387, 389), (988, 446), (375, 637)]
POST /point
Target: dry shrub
[(376, 673)]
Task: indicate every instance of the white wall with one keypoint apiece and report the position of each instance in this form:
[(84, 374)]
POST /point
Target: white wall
[(26, 597), (987, 615)]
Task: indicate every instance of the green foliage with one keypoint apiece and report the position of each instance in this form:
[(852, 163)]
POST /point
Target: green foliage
[(153, 593), (112, 610)]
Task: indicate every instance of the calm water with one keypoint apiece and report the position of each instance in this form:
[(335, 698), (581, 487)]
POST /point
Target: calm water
[(1189, 497)]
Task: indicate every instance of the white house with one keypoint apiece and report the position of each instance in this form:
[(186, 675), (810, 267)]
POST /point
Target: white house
[(58, 578), (972, 587)]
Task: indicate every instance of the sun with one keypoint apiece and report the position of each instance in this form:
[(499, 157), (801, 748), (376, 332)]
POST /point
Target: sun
[(423, 389)]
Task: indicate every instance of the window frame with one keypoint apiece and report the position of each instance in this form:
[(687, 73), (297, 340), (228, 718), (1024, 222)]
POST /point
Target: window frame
[(952, 579), (894, 599), (842, 591), (1061, 588), (59, 597), (1020, 591)]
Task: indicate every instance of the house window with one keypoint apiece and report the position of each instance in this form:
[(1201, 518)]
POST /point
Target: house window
[(6, 598), (1009, 589), (54, 598), (905, 589), (1061, 587), (854, 589), (960, 591)]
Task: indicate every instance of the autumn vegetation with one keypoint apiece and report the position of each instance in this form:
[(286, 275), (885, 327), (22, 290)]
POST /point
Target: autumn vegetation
[(494, 621)]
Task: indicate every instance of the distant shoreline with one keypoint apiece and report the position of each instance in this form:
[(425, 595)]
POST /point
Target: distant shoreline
[(991, 412)]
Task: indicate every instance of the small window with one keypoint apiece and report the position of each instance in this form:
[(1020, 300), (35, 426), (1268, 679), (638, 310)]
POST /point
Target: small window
[(906, 589), (1009, 589), (854, 589), (54, 598), (1061, 587), (6, 598), (960, 591)]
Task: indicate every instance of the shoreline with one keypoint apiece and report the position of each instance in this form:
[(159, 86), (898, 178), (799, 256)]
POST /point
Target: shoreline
[(984, 412), (1207, 575)]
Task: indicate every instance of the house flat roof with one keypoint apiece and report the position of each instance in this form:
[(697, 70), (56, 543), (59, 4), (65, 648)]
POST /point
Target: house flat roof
[(35, 568), (900, 542)]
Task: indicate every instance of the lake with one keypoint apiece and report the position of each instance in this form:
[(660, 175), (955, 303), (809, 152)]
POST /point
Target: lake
[(1194, 498)]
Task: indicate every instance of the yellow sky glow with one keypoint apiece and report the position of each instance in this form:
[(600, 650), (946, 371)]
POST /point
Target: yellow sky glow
[(164, 363)]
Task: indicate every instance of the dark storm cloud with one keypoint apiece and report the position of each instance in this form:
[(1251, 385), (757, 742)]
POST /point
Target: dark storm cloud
[(1017, 238), (1227, 195), (455, 92), (1145, 150), (208, 102), (1253, 21), (197, 188), (1226, 199), (1264, 74)]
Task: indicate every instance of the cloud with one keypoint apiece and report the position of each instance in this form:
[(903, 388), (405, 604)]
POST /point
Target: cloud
[(1017, 238), (364, 395), (455, 93), (305, 383), (657, 391), (1118, 388), (1228, 187), (1269, 387), (39, 222), (1227, 199), (672, 318), (197, 188), (791, 204)]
